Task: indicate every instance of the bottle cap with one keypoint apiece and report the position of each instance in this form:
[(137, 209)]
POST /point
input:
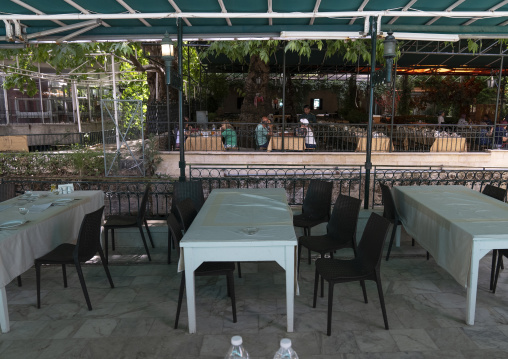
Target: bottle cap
[(237, 340), (285, 343)]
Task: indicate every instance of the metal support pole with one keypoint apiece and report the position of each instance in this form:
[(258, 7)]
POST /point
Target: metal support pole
[(89, 103), (180, 103), (283, 97), (368, 163), (115, 104), (497, 103), (6, 101), (75, 103), (393, 105), (188, 81), (40, 92), (167, 114)]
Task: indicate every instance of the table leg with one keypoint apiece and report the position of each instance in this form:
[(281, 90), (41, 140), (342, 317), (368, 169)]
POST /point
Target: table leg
[(4, 311), (472, 285), (290, 286), (190, 289)]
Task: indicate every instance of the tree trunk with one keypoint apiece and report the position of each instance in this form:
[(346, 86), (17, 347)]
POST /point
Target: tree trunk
[(256, 103), (290, 96)]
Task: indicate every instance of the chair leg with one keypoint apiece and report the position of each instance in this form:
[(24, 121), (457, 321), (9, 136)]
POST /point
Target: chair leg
[(112, 238), (413, 242), (316, 281), (64, 273), (330, 305), (362, 283), (231, 286), (308, 231), (498, 266), (381, 299), (180, 297), (38, 280), (149, 234), (428, 255), (83, 285), (144, 242), (19, 281), (170, 244), (322, 287), (106, 244), (106, 269), (394, 230), (239, 269), (298, 259), (493, 268)]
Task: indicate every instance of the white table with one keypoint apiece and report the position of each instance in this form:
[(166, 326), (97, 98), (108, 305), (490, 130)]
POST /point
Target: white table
[(217, 234), (44, 232), (457, 226)]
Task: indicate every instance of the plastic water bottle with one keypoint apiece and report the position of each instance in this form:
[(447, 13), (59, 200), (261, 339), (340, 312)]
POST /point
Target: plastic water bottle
[(285, 351), (237, 350)]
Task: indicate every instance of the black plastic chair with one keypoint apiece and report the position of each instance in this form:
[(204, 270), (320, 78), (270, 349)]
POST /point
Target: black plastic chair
[(340, 231), (494, 192), (87, 245), (499, 194), (365, 266), (500, 254), (120, 221), (187, 212), (316, 207), (205, 269), (190, 189), (7, 191)]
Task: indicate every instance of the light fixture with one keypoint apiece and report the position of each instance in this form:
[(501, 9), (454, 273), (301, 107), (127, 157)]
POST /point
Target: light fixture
[(167, 51), (425, 36), (491, 82), (167, 48), (320, 35), (390, 45)]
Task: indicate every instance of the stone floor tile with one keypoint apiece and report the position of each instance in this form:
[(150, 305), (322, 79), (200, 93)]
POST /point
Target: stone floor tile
[(451, 339), (487, 337), (413, 340), (375, 341), (94, 328)]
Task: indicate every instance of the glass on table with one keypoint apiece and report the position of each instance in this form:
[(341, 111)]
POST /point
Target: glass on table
[(23, 211)]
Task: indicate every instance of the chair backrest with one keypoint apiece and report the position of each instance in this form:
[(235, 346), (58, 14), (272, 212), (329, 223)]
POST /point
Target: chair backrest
[(190, 189), (373, 239), (318, 199), (389, 212), (7, 191), (494, 192), (144, 200), (89, 238), (187, 212), (175, 228), (342, 224)]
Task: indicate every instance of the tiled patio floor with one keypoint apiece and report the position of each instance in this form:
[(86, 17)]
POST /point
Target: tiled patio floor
[(135, 319)]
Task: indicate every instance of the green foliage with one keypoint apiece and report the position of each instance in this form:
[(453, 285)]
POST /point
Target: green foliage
[(151, 155), (240, 50), (405, 103), (61, 57), (82, 161), (218, 89), (473, 46), (487, 96), (357, 116)]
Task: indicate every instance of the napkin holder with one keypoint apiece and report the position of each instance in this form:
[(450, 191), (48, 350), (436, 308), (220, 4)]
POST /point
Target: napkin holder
[(66, 188)]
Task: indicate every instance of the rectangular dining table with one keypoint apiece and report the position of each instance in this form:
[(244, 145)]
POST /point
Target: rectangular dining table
[(457, 226), (42, 232), (237, 225), (291, 143)]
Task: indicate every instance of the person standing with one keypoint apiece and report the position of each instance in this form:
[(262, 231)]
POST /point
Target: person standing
[(440, 118), (263, 132), (308, 115), (310, 141)]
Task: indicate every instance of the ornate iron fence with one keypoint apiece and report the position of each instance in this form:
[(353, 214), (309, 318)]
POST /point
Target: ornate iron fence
[(124, 196)]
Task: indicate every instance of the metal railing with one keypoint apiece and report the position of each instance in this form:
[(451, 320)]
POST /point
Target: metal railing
[(338, 137), (124, 196)]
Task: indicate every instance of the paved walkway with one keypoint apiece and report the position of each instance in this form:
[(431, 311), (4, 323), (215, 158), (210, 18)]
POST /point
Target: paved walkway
[(135, 319)]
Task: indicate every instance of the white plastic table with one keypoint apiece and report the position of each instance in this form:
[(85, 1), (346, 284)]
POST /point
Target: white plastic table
[(219, 234), (457, 226), (44, 232)]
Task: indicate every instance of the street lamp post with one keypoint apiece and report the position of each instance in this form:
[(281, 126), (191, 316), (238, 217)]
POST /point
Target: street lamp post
[(167, 51)]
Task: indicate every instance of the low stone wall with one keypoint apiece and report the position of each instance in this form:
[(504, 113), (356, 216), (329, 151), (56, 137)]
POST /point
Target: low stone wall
[(491, 158)]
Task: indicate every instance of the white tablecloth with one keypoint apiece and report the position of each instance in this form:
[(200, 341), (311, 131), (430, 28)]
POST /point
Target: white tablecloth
[(44, 231), (446, 220)]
